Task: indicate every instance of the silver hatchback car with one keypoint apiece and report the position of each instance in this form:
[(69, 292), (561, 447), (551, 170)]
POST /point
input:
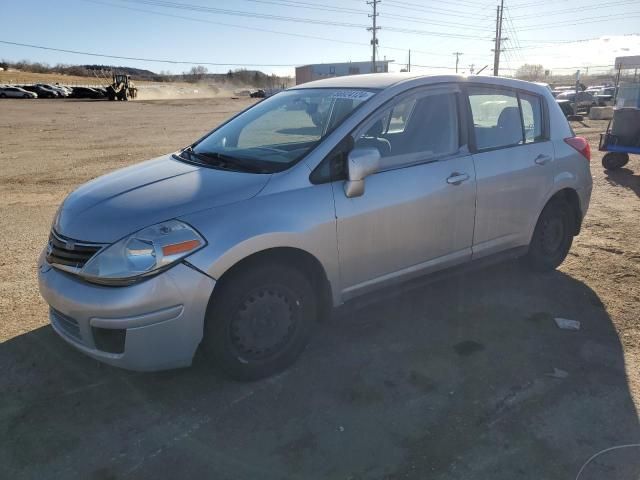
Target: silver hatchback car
[(326, 191)]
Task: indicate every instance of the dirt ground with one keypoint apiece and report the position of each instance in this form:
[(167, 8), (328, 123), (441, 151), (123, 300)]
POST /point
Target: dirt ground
[(448, 379)]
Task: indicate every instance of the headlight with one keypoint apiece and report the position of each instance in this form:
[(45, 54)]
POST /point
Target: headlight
[(144, 253)]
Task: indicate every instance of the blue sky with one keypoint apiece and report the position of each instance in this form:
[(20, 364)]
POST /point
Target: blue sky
[(433, 29)]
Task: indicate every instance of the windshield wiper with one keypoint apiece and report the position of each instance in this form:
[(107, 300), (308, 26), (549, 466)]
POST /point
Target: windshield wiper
[(228, 162)]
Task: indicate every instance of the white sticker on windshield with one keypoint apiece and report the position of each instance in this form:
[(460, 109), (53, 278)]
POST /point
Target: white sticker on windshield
[(353, 94)]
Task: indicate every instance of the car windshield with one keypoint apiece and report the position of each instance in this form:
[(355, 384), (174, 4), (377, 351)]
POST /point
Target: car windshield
[(279, 131)]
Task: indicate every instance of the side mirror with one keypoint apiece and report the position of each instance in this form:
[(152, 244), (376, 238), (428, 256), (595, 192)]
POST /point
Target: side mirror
[(361, 163)]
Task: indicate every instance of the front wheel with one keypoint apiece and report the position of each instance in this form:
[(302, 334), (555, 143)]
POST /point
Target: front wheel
[(260, 320), (615, 160), (552, 237)]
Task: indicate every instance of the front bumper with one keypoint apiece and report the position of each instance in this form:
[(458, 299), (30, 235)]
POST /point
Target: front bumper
[(163, 317)]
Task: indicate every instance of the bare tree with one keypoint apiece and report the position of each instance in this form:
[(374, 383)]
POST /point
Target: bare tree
[(530, 72), (196, 74)]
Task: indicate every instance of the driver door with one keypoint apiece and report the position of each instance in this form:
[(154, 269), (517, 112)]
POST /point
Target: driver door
[(417, 211)]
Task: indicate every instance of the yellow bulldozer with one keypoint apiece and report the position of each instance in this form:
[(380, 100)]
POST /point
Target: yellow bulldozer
[(122, 88)]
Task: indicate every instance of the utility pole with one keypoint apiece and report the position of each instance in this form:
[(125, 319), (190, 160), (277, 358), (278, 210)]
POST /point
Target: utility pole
[(498, 42), (409, 62), (457, 54), (374, 29)]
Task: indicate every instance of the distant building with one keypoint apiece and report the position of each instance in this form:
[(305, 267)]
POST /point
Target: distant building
[(308, 73)]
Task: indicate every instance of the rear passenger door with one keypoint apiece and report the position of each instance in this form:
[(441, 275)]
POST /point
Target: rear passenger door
[(513, 160)]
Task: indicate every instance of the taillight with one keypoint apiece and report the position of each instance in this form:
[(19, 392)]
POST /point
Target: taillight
[(581, 145)]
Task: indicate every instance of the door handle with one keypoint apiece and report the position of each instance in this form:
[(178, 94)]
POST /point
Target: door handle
[(542, 159), (457, 178)]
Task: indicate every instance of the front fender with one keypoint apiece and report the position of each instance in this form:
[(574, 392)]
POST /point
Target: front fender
[(303, 219)]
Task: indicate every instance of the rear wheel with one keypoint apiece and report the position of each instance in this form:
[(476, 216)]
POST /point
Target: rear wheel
[(259, 320), (552, 237), (2, 95), (614, 160)]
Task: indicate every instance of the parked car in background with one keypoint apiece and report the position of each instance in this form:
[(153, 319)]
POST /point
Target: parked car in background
[(16, 92), (585, 100), (86, 92), (238, 242), (58, 93), (558, 90), (40, 91), (594, 90), (605, 96), (257, 93), (65, 88), (566, 106), (61, 92)]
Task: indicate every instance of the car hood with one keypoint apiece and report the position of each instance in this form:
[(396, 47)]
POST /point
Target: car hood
[(114, 205)]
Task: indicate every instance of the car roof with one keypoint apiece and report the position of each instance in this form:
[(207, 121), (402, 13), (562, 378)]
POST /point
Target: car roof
[(381, 81), (367, 80)]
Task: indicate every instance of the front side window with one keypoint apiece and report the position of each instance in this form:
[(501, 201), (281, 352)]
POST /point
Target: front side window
[(496, 117), (417, 128), (278, 131), (400, 115)]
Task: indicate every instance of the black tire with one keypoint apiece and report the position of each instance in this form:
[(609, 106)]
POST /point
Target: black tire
[(259, 320), (552, 237), (2, 95), (615, 160), (25, 96)]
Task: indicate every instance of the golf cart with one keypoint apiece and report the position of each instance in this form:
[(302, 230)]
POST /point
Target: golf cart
[(623, 132)]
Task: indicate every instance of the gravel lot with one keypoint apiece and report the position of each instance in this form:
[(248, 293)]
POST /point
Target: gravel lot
[(448, 379)]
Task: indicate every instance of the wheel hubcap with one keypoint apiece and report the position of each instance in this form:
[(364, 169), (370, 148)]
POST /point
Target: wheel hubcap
[(263, 323)]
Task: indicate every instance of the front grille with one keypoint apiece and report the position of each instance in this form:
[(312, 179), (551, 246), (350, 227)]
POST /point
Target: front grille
[(67, 324), (68, 252)]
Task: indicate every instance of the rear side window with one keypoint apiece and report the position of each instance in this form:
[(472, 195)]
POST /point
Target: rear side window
[(496, 117), (531, 117)]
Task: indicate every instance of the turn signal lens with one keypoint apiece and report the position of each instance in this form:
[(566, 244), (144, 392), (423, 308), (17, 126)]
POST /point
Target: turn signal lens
[(181, 247), (581, 145)]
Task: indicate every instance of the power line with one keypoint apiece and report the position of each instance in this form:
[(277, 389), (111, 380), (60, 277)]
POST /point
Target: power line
[(308, 5), (460, 2), (282, 18), (156, 60), (240, 13), (399, 30), (434, 10), (177, 62), (258, 29), (429, 22), (578, 21), (573, 10)]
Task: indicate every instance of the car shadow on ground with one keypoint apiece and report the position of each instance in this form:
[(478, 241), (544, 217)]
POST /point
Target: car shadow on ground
[(624, 177), (467, 377)]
